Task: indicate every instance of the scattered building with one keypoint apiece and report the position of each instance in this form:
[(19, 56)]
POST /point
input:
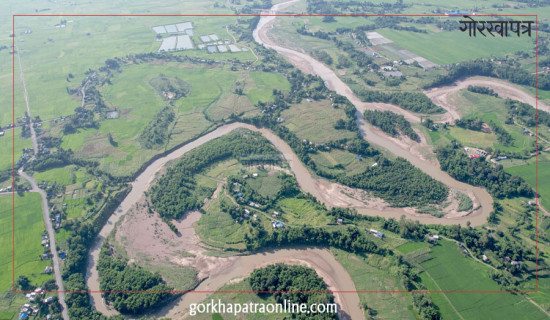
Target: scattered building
[(376, 233), (278, 224)]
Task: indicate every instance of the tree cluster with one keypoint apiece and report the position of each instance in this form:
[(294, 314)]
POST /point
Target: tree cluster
[(157, 132), (482, 90), (391, 123), (350, 239), (412, 101), (297, 284), (478, 172), (399, 183), (486, 68), (474, 124), (118, 278)]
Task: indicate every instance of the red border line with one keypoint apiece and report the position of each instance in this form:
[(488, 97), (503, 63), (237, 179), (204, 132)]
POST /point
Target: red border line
[(286, 15)]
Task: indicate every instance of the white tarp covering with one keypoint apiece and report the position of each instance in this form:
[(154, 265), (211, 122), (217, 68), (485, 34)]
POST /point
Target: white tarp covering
[(184, 43), (159, 29), (171, 28), (183, 26), (168, 44)]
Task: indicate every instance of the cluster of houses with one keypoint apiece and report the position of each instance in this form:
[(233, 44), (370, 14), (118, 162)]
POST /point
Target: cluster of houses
[(28, 310)]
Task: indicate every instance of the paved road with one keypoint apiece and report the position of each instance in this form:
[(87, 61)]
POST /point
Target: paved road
[(45, 209)]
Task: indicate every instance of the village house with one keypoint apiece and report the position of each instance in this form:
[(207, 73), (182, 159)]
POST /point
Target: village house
[(376, 233), (277, 224)]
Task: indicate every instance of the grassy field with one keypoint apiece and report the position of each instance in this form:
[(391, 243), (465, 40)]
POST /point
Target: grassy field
[(369, 274), (315, 121), (330, 162), (211, 98), (302, 212), (10, 304), (28, 235), (218, 229), (262, 85), (450, 270), (527, 170), (411, 246), (488, 109), (443, 47), (62, 175), (266, 184)]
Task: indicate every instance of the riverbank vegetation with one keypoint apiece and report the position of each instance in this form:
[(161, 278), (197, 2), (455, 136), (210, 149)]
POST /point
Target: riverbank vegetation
[(479, 172), (391, 123), (297, 284), (119, 279)]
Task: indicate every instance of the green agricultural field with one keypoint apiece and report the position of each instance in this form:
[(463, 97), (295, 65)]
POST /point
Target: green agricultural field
[(210, 97), (371, 274), (49, 54), (315, 121), (450, 270), (10, 304), (488, 109), (527, 170), (472, 138), (263, 84), (411, 246), (63, 176), (218, 229), (266, 184), (443, 47), (341, 161), (302, 212), (29, 226)]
